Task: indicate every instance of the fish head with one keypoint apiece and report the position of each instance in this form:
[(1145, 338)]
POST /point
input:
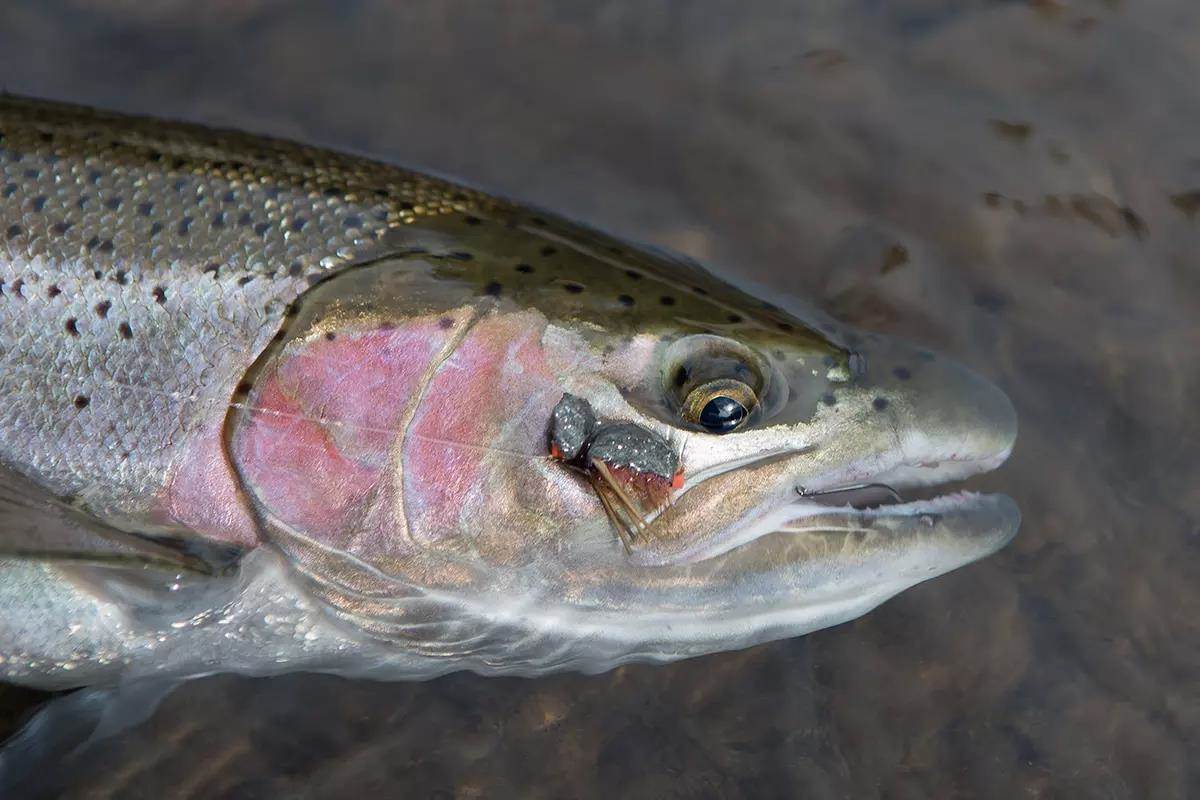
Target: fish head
[(398, 443)]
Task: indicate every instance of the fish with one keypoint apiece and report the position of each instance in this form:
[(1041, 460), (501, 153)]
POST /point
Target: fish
[(269, 408)]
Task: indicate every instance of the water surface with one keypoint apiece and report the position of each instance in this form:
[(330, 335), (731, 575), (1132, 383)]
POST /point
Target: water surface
[(1014, 184)]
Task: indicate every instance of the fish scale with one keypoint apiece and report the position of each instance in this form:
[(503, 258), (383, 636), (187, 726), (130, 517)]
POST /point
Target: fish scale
[(228, 340), (145, 264), (142, 269)]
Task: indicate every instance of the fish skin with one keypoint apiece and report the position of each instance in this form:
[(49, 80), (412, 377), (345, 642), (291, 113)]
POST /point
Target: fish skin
[(175, 313), (144, 265)]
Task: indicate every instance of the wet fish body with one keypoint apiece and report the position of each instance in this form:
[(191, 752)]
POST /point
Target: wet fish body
[(268, 407)]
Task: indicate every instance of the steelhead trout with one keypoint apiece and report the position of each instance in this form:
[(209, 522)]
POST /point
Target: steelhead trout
[(269, 408)]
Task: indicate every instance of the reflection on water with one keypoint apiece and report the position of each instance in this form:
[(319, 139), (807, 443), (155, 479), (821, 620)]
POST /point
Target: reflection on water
[(1016, 184)]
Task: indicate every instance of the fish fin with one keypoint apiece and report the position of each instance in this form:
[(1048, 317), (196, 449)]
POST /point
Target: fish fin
[(37, 525), (35, 760)]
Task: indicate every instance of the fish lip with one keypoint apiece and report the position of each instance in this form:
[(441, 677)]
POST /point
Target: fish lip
[(972, 508), (929, 510), (975, 523)]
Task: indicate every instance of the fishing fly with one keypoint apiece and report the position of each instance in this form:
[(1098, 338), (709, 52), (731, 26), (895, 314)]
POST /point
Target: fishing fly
[(632, 468)]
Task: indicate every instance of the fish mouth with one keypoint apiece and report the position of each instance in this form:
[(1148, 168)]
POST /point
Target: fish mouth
[(928, 499)]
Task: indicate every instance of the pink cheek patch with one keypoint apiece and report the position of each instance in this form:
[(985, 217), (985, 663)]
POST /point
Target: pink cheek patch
[(295, 467), (202, 493), (318, 440), (483, 414), (359, 384)]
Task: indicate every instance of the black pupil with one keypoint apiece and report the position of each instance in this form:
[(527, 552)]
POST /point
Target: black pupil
[(722, 414)]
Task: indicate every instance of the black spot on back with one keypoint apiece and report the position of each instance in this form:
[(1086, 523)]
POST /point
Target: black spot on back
[(902, 373), (82, 401), (880, 403), (667, 300), (493, 289), (549, 251), (625, 300), (525, 268), (102, 308), (14, 231), (72, 326), (159, 294), (573, 288), (125, 331), (445, 323)]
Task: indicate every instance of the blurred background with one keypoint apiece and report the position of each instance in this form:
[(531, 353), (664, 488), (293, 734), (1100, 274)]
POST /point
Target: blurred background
[(1016, 184)]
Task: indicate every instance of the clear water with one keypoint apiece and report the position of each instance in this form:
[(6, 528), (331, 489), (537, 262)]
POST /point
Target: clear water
[(1016, 184)]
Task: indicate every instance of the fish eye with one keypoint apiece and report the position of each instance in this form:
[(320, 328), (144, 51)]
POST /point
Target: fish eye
[(719, 406)]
